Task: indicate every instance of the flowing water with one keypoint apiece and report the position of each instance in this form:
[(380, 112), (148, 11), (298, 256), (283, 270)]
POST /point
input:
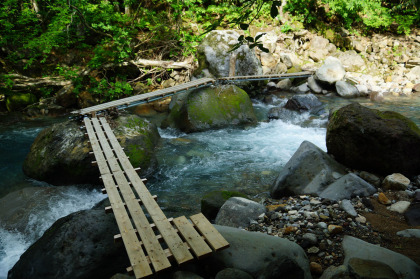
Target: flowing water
[(190, 165)]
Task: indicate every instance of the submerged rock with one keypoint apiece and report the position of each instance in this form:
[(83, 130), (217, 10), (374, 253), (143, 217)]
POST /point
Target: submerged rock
[(79, 245), (60, 153), (373, 140), (210, 108), (304, 102), (302, 176)]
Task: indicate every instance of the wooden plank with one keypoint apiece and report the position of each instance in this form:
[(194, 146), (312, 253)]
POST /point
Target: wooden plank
[(194, 240), (132, 245), (145, 96), (103, 168), (178, 248), (213, 237), (152, 246), (108, 209)]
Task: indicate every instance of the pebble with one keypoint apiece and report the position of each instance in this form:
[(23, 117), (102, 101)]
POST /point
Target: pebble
[(322, 225), (399, 207), (334, 229), (361, 219), (311, 238), (315, 268), (348, 208), (313, 250), (383, 199), (289, 230)]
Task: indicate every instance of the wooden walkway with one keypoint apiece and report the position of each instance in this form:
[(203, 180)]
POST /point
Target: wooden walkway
[(146, 239), (162, 93)]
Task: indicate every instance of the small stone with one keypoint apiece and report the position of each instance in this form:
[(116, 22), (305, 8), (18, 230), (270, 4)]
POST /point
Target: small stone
[(324, 217), (289, 230), (292, 212), (275, 216), (383, 199), (275, 207), (334, 229), (395, 181), (362, 268), (399, 207), (409, 233), (314, 201), (361, 219), (348, 208), (311, 238), (313, 250), (322, 225), (315, 268)]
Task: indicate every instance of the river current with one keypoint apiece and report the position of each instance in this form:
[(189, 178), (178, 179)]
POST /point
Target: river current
[(190, 165)]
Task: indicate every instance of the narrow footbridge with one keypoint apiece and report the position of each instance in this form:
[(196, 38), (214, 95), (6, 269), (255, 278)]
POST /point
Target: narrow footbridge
[(151, 239), (150, 245), (163, 93)]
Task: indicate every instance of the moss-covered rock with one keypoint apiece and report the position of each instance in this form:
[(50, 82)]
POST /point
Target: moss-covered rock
[(210, 108), (19, 101), (139, 138), (60, 153), (381, 142), (213, 201)]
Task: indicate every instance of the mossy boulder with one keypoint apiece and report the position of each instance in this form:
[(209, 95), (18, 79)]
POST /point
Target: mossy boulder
[(213, 201), (60, 153), (381, 142), (19, 101), (211, 108), (139, 138)]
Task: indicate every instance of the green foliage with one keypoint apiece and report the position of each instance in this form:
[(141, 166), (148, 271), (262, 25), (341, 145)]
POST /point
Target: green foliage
[(110, 90)]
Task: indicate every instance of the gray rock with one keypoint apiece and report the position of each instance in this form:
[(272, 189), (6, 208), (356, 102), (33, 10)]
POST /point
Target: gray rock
[(238, 212), (282, 269), (346, 90), (313, 85), (232, 273), (330, 72), (318, 48), (301, 176), (284, 84), (347, 187), (414, 74), (348, 208), (79, 245), (403, 266), (400, 206), (368, 269), (351, 61), (282, 113), (395, 181), (363, 89), (213, 201), (371, 178), (311, 238), (303, 102), (263, 251), (336, 272), (409, 233), (185, 275), (280, 68), (286, 60), (303, 88), (212, 54)]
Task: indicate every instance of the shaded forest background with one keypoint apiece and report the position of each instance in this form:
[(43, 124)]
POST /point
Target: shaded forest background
[(64, 38)]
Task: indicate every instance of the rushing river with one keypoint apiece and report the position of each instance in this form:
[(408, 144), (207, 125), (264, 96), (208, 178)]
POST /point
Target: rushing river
[(190, 165)]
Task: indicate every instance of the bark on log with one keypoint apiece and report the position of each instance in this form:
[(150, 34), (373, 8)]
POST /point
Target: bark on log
[(153, 63), (22, 82)]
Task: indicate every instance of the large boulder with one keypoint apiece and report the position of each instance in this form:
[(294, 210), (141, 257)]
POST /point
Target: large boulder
[(257, 254), (330, 72), (372, 140), (60, 153), (211, 108), (19, 101), (79, 245), (318, 48), (214, 56), (309, 171), (347, 187), (351, 61), (359, 249), (239, 212)]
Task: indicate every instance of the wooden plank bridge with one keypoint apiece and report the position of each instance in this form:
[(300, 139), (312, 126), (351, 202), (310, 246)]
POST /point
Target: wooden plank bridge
[(145, 241), (163, 93)]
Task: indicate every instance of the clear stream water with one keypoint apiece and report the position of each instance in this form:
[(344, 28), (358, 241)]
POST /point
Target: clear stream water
[(189, 165)]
